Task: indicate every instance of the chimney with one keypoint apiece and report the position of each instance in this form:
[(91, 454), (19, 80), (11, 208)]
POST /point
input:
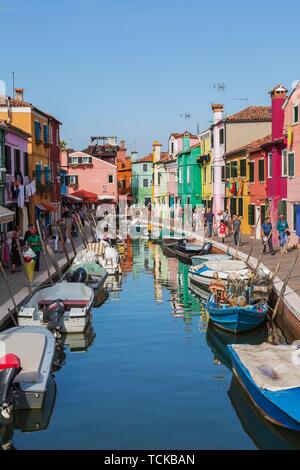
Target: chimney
[(19, 92), (217, 110), (122, 144), (134, 156), (186, 141), (156, 151), (278, 97)]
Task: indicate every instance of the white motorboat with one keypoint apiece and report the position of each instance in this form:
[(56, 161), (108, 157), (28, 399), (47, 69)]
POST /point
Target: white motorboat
[(199, 259), (102, 253), (26, 356), (203, 274), (63, 307)]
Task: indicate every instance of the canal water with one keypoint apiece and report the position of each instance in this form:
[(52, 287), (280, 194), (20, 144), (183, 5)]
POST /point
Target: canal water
[(151, 373)]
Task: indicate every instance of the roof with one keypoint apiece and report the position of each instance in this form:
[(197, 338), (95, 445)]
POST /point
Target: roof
[(148, 158), (254, 145), (179, 135), (25, 104), (252, 113)]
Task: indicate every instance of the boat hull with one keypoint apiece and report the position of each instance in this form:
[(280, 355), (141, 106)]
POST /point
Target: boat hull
[(237, 319), (262, 399)]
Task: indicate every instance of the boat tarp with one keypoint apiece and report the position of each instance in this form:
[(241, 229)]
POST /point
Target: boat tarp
[(226, 265), (272, 367)]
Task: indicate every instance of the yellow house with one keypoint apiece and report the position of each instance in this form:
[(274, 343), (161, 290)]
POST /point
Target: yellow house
[(207, 169), (237, 195), (30, 119)]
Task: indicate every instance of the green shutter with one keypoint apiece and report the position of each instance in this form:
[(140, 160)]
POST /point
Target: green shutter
[(251, 209), (261, 170), (243, 167), (263, 214), (251, 172), (241, 207), (233, 206), (291, 164), (227, 170)]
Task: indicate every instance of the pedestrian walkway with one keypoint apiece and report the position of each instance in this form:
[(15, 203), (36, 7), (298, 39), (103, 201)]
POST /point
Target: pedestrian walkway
[(18, 282)]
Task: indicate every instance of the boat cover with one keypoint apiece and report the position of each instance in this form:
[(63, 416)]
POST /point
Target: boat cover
[(226, 265), (272, 367)]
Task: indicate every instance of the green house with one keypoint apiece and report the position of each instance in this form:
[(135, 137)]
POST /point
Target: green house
[(142, 180), (189, 174)]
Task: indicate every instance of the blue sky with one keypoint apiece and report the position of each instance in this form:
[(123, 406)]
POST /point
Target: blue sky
[(130, 67)]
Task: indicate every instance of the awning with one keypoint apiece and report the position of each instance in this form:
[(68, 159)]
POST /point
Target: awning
[(6, 215), (72, 198), (86, 195)]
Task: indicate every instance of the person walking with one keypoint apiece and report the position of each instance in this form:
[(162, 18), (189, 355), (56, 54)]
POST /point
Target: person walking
[(283, 232), (222, 230), (236, 225), (81, 215), (14, 253), (209, 219), (266, 236), (34, 241)]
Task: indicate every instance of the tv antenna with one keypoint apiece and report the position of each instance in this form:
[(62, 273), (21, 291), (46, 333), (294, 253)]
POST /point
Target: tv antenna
[(243, 99), (220, 86), (187, 115)]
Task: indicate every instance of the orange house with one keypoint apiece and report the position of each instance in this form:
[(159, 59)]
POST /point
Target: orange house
[(124, 172)]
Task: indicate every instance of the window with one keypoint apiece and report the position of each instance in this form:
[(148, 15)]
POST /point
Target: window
[(295, 114), (47, 174), (8, 159), (188, 174), (284, 163), (261, 170), (57, 136), (263, 214), (172, 149), (38, 173), (17, 161), (227, 170), (233, 206), (73, 179), (251, 172), (204, 174), (240, 206), (26, 164), (188, 200), (223, 173), (291, 162), (221, 136), (243, 167), (145, 167), (180, 175), (212, 140), (86, 160), (145, 183), (233, 169), (282, 207), (37, 131), (251, 214), (46, 134), (270, 165), (110, 178)]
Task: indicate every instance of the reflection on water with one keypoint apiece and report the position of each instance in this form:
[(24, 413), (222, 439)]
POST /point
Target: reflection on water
[(155, 374)]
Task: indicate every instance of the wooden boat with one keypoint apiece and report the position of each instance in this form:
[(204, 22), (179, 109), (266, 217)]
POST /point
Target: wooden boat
[(265, 435), (237, 318), (278, 403), (64, 307), (25, 368)]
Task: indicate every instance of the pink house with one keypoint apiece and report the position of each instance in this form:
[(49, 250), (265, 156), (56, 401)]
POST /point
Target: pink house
[(291, 162), (276, 177), (92, 174)]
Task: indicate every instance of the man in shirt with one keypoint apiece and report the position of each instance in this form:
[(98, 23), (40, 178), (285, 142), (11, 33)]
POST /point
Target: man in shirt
[(236, 225), (34, 241), (209, 219), (266, 236)]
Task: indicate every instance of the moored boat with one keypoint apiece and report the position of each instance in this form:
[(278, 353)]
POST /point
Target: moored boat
[(270, 376), (25, 368), (237, 318), (64, 307), (203, 274), (199, 259)]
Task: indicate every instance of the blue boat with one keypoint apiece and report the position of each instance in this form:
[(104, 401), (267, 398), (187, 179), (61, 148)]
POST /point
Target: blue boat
[(235, 318), (279, 407)]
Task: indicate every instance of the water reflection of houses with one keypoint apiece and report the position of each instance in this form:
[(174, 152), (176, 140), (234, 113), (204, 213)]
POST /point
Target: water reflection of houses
[(165, 272), (141, 256)]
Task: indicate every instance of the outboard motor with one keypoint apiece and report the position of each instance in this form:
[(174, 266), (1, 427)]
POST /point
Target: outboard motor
[(10, 367), (79, 275), (52, 314), (206, 248)]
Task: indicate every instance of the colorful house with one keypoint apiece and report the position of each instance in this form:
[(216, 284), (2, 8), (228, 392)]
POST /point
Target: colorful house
[(291, 159), (206, 169), (44, 130), (189, 174), (142, 180), (160, 190), (276, 159), (229, 133), (124, 173), (94, 175), (17, 197)]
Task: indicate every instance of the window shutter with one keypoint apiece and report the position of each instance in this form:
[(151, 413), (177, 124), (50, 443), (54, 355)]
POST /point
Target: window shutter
[(243, 167), (261, 170), (251, 209), (233, 206), (251, 172), (227, 170), (291, 164), (263, 214), (241, 211), (38, 173)]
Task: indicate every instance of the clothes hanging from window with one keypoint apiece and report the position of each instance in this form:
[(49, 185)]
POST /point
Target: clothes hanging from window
[(21, 196)]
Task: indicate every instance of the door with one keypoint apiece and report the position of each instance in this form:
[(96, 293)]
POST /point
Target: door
[(257, 222)]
